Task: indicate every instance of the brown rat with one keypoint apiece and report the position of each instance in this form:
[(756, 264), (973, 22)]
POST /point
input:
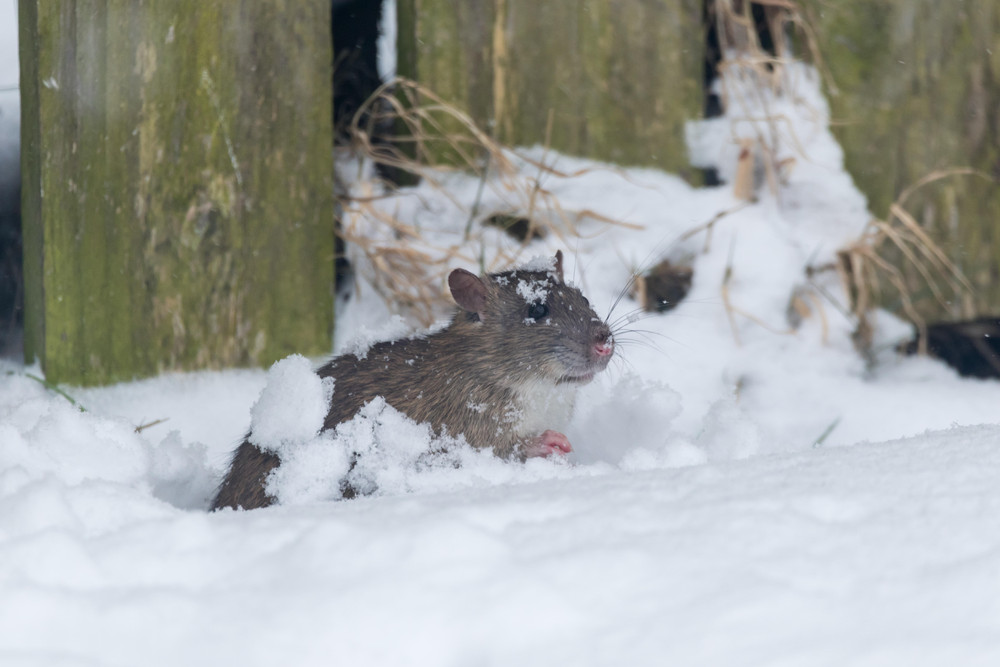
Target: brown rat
[(503, 373)]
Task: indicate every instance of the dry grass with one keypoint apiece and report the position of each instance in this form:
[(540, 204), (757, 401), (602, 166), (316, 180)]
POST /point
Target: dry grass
[(763, 133), (751, 78), (430, 140), (891, 249), (865, 270)]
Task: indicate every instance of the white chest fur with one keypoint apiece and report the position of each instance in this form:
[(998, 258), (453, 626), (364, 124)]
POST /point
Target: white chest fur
[(543, 406)]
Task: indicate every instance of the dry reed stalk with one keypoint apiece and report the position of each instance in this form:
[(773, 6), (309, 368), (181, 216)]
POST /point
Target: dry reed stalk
[(863, 263), (745, 59), (743, 184), (863, 266), (727, 303), (732, 310), (709, 226)]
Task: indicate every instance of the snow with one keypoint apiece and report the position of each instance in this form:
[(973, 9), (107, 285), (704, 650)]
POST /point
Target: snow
[(378, 452), (10, 107), (740, 492), (539, 263), (292, 407), (387, 41), (533, 291)]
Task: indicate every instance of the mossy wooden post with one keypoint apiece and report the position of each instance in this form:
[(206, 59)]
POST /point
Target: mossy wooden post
[(177, 184), (918, 90), (618, 79)]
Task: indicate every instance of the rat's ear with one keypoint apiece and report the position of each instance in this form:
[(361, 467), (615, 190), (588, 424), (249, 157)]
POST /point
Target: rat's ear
[(559, 271), (468, 291)]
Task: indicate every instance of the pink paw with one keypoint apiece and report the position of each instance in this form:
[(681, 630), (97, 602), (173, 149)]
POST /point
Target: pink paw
[(548, 443)]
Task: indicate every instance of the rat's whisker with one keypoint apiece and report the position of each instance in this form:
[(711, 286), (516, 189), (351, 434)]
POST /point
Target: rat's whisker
[(623, 292), (635, 315)]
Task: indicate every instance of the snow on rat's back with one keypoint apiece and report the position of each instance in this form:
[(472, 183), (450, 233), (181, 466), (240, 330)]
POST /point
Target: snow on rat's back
[(292, 407), (376, 452)]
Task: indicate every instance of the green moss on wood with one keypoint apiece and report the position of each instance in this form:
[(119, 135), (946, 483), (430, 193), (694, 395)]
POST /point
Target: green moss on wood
[(619, 79), (185, 185)]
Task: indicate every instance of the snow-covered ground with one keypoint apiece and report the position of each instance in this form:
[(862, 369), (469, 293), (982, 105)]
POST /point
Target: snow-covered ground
[(740, 493)]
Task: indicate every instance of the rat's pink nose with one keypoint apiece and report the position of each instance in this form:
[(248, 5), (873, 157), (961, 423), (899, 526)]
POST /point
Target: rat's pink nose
[(604, 344), (604, 348)]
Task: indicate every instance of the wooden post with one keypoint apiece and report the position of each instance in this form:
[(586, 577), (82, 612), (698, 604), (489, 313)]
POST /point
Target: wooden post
[(177, 184), (619, 80)]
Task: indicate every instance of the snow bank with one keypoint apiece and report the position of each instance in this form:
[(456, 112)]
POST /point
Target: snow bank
[(877, 554), (58, 463)]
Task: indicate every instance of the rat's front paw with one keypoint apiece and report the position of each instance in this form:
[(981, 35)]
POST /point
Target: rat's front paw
[(548, 443)]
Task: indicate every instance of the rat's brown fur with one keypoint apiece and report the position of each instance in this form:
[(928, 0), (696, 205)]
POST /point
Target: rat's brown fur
[(488, 375)]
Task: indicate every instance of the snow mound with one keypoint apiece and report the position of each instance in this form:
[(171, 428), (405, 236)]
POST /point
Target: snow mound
[(61, 468), (292, 407)]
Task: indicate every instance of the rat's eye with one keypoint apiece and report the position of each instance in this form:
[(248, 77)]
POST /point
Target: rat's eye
[(537, 310)]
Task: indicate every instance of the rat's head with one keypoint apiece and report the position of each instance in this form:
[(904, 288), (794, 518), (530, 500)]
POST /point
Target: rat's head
[(533, 318)]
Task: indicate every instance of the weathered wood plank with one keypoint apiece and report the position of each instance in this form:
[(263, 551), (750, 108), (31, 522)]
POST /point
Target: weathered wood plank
[(178, 189), (619, 79)]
